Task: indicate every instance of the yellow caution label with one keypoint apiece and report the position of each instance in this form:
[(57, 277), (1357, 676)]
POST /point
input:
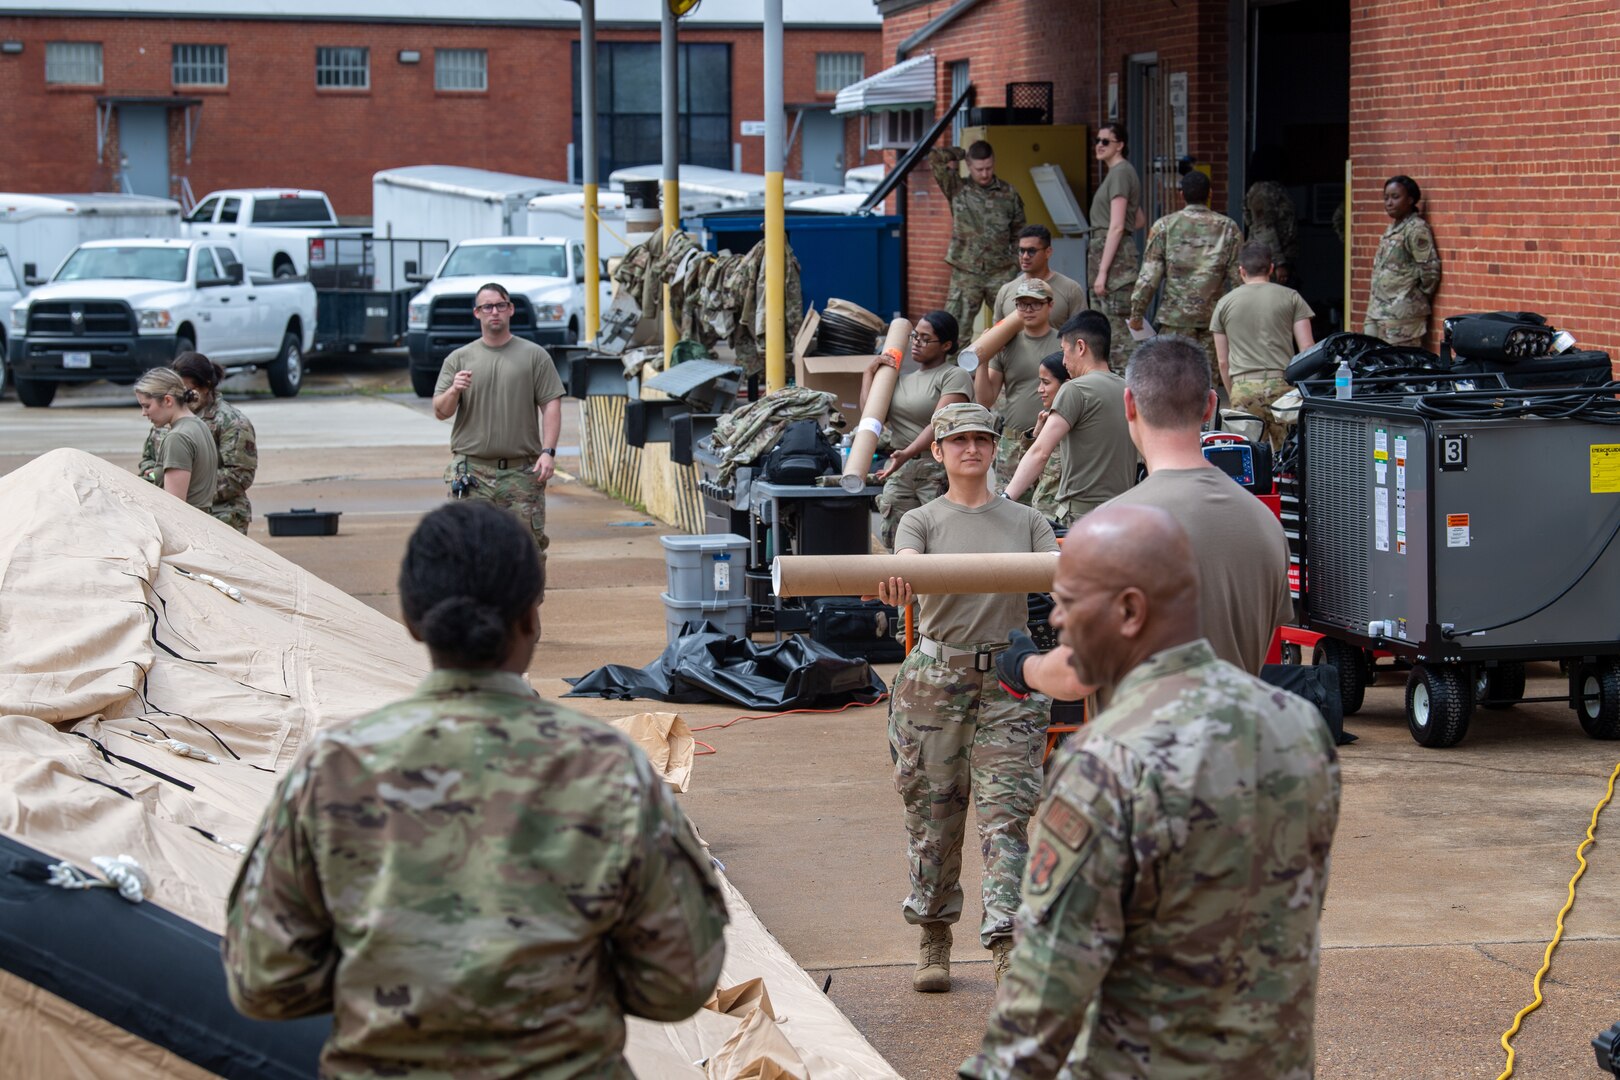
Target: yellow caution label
[(1605, 468)]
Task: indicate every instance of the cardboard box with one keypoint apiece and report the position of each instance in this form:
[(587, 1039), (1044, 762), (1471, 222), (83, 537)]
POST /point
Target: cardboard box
[(840, 375)]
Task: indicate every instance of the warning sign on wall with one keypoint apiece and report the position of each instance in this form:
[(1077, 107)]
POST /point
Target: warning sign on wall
[(1457, 530)]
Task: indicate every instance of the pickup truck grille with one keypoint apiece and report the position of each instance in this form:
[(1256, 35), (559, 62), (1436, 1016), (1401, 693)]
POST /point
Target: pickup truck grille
[(453, 314), (80, 318)]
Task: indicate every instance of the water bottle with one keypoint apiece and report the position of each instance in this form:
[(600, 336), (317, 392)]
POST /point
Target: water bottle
[(1341, 380)]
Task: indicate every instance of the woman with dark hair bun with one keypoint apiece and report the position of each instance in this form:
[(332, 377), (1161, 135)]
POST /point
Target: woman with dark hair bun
[(498, 878), (1406, 270), (1052, 376), (234, 441), (912, 476), (186, 458)]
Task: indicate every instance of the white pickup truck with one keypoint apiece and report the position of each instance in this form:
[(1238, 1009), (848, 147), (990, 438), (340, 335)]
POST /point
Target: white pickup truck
[(544, 274), (10, 293), (276, 232), (117, 308)]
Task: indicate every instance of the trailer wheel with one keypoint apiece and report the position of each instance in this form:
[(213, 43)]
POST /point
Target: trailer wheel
[(286, 371), (1352, 667), (35, 393), (423, 382), (1291, 654), (1438, 701), (1499, 687), (1594, 695)]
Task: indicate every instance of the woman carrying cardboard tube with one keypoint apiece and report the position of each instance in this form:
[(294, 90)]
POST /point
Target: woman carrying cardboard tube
[(912, 476)]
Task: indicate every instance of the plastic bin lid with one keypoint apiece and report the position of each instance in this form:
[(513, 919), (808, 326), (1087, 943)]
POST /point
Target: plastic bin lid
[(702, 542)]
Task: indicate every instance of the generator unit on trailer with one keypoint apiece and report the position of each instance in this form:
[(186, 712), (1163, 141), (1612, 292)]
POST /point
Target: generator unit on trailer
[(1466, 533)]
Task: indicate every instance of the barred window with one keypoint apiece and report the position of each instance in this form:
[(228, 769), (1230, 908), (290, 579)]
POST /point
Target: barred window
[(75, 63), (199, 65), (343, 67), (836, 70), (460, 69)]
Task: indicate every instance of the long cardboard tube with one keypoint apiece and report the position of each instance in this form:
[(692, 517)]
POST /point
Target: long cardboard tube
[(997, 337), (876, 411), (936, 575)]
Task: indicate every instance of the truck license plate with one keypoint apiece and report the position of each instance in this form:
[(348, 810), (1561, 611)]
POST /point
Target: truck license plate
[(76, 360)]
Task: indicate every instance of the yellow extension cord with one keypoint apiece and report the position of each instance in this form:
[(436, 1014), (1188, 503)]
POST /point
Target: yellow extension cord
[(1558, 934)]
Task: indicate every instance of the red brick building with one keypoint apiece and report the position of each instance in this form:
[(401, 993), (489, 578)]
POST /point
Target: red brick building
[(229, 94), (1503, 112)]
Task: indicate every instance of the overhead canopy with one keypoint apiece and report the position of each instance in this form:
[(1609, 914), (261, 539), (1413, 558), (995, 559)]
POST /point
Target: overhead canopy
[(907, 85)]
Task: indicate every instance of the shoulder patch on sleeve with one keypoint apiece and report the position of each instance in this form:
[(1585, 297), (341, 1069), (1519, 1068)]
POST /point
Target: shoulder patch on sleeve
[(1064, 821)]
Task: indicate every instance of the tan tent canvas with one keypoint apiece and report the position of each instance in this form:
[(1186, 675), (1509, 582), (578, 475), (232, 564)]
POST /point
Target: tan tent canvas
[(147, 711)]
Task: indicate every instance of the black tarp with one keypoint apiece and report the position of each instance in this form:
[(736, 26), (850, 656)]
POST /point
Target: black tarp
[(705, 665)]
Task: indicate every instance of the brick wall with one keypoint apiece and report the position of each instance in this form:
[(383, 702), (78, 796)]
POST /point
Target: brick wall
[(273, 127), (1057, 40), (1505, 114)]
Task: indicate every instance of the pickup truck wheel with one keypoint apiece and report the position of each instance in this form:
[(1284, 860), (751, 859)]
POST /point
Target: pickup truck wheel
[(286, 372), (423, 382), (285, 269), (573, 331), (183, 345), (5, 370), (34, 393)]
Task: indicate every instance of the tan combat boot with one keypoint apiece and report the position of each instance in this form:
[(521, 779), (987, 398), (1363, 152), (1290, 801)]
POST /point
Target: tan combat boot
[(1000, 956), (933, 974)]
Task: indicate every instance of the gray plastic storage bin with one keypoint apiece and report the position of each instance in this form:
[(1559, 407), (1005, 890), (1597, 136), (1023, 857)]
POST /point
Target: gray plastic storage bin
[(707, 568), (731, 616)]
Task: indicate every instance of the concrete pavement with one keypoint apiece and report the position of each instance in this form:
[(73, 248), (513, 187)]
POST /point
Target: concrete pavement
[(1449, 866)]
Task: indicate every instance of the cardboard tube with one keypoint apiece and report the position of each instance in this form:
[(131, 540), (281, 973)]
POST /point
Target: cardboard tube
[(997, 337), (935, 575), (876, 410)]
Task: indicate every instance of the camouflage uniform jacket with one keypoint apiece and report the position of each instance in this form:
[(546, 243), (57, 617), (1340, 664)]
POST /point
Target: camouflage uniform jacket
[(1175, 882), (1406, 272), (1269, 215), (984, 220), (476, 883), (1195, 252), (238, 458)]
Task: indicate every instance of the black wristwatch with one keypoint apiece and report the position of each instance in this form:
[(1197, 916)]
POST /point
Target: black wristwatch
[(552, 450)]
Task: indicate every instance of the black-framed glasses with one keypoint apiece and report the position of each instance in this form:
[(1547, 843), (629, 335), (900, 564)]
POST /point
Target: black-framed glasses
[(1106, 142), (1030, 305), (491, 309), (1030, 251), (922, 339)]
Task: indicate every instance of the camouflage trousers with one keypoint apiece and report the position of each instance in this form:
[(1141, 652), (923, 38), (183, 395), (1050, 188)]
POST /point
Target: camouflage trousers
[(1254, 396), (918, 481), (1206, 341), (1069, 511), (1404, 332), (969, 291), (238, 513), (1046, 488), (956, 735), (1117, 304), (1010, 449), (517, 490)]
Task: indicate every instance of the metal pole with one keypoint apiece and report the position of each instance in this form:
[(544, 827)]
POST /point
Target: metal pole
[(587, 145), (669, 59), (775, 218)]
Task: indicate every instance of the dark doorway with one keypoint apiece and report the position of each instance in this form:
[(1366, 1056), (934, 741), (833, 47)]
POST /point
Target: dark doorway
[(1298, 133)]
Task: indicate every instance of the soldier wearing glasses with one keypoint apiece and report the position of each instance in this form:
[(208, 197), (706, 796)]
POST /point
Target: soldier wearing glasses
[(506, 398), (1112, 260), (1035, 260)]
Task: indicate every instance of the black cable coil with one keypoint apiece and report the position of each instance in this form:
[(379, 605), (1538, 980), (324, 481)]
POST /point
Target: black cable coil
[(841, 336)]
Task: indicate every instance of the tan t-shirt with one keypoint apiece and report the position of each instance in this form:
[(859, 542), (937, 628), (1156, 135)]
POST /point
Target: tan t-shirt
[(1068, 297), (1020, 367), (1258, 321), (1117, 181), (190, 445), (1242, 558), (916, 397), (1099, 459), (943, 527), (496, 416)]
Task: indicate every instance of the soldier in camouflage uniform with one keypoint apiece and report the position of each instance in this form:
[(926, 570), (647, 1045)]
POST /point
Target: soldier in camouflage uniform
[(1270, 218), (1178, 865), (1116, 213), (986, 216), (1406, 270), (474, 882), (501, 448), (1194, 251), (955, 734), (233, 438)]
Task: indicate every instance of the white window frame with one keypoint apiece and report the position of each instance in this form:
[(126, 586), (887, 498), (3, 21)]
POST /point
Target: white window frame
[(342, 67), (73, 63), (836, 70), (461, 70), (193, 64), (898, 129)]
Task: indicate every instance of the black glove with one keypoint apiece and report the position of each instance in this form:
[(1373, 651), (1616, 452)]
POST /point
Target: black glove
[(1010, 664)]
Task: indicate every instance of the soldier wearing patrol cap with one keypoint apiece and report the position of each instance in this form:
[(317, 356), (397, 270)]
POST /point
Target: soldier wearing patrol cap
[(1172, 899), (954, 732), (1010, 381), (986, 216)]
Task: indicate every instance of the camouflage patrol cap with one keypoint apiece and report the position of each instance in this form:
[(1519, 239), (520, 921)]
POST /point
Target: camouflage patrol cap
[(1032, 289), (961, 418)]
